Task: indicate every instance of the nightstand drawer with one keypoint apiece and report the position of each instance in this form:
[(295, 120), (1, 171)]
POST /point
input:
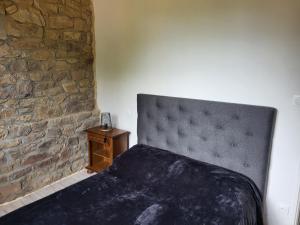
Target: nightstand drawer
[(98, 138)]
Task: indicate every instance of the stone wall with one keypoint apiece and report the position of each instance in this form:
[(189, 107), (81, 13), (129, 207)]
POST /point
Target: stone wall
[(47, 91)]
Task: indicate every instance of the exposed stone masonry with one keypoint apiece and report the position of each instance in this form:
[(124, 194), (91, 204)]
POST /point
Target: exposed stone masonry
[(47, 96)]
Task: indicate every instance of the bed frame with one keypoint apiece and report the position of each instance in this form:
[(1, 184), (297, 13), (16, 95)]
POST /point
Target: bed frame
[(237, 137)]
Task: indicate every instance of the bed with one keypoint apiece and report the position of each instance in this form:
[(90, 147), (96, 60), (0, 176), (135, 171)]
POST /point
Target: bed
[(196, 162)]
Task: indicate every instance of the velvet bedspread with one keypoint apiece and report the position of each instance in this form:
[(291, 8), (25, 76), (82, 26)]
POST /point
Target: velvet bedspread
[(150, 186)]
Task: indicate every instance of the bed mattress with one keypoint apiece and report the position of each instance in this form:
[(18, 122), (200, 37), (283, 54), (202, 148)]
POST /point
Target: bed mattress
[(150, 186)]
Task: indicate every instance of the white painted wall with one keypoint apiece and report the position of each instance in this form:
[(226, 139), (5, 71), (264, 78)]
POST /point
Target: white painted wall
[(226, 50)]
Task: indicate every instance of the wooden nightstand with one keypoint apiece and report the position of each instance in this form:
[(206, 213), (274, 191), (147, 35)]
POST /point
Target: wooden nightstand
[(104, 146)]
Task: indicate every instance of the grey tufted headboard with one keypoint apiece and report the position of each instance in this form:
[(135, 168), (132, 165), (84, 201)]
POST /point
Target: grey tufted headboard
[(234, 136)]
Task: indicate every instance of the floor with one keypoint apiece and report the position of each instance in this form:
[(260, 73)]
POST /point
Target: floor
[(45, 191)]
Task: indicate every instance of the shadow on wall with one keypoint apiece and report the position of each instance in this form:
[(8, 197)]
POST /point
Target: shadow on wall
[(119, 35), (125, 27)]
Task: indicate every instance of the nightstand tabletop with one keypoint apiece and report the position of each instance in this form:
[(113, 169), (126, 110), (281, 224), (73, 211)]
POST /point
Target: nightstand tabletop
[(112, 133)]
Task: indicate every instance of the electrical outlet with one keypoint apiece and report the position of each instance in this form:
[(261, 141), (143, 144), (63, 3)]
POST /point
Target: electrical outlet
[(296, 100), (285, 209)]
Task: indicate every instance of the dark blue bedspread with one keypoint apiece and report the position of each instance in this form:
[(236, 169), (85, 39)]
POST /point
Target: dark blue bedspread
[(149, 186)]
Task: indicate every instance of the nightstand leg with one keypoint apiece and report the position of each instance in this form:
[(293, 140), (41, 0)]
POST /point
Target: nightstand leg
[(89, 171)]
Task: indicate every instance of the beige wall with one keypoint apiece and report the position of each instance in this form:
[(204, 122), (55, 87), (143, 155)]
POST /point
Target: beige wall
[(229, 50)]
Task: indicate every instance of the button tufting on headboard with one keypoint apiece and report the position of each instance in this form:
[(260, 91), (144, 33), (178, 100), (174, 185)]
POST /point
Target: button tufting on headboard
[(203, 138), (234, 136), (233, 144), (181, 133), (249, 133), (206, 112), (159, 105), (246, 165), (169, 142), (190, 149), (235, 117), (149, 116), (219, 127), (159, 128), (216, 155)]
